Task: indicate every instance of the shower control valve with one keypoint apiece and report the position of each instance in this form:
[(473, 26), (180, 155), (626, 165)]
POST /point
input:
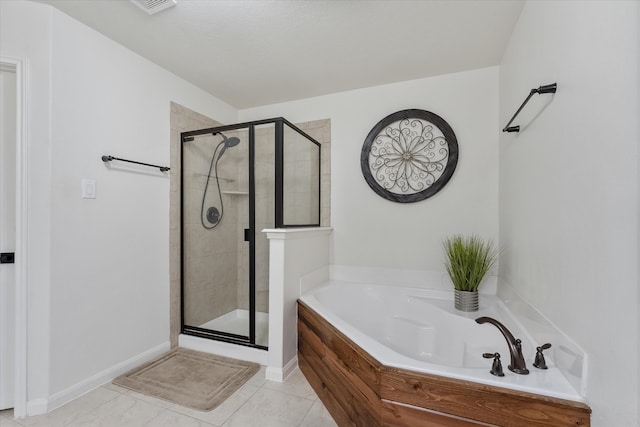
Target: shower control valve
[(496, 368)]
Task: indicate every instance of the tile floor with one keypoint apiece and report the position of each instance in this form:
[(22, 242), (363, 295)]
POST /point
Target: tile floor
[(258, 403)]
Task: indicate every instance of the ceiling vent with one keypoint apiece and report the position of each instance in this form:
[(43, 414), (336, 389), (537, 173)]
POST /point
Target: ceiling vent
[(153, 6)]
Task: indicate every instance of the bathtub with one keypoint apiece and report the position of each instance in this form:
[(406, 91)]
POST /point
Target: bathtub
[(419, 330)]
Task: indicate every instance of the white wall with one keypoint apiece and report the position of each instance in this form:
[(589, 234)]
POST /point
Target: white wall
[(99, 281), (372, 231), (569, 186), (293, 253), (99, 278), (24, 31)]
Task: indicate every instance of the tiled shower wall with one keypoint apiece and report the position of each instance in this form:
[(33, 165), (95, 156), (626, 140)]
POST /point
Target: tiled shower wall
[(301, 180), (219, 261), (320, 130), (214, 253)]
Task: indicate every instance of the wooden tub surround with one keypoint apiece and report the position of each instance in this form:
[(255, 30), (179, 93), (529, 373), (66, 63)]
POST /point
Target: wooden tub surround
[(359, 391)]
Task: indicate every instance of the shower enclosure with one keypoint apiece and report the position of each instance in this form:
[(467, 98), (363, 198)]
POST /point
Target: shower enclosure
[(237, 180)]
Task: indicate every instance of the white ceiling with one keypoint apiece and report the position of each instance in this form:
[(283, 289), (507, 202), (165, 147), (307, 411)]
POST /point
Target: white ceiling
[(259, 52)]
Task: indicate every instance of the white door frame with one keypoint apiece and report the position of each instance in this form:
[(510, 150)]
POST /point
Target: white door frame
[(22, 180)]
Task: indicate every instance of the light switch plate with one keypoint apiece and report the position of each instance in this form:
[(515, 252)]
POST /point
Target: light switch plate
[(88, 188)]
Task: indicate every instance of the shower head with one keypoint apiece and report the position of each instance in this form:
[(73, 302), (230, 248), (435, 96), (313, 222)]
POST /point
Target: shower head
[(228, 143), (231, 142)]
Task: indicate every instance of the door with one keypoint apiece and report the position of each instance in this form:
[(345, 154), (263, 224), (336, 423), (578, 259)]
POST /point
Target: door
[(7, 233), (216, 240)]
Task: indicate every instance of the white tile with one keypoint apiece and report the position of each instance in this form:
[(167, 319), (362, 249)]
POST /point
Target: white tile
[(72, 410), (112, 386), (258, 403), (8, 422), (259, 378), (122, 411), (173, 419), (153, 400), (226, 409), (295, 384), (268, 408), (318, 416)]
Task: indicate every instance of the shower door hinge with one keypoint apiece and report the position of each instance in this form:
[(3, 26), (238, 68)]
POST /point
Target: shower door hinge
[(247, 234)]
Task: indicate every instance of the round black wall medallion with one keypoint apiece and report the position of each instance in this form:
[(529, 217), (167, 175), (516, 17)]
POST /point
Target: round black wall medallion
[(409, 156)]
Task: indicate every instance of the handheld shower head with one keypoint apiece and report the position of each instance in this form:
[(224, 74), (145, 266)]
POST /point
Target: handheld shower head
[(228, 143), (231, 142), (213, 214)]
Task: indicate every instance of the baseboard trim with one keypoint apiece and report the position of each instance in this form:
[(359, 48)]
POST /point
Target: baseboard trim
[(281, 374), (37, 406), (65, 396)]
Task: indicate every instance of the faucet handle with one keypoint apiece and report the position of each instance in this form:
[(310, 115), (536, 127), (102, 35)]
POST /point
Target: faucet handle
[(496, 368), (539, 362)]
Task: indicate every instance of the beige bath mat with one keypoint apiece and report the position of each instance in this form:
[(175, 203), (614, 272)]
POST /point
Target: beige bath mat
[(189, 378)]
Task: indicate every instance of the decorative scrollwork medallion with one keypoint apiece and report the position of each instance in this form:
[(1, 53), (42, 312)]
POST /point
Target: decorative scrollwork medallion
[(409, 156)]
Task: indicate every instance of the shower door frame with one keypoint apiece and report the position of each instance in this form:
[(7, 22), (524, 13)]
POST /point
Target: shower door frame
[(189, 136), (250, 339)]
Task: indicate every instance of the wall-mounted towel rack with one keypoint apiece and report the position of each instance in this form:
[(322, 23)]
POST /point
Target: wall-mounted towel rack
[(109, 158), (542, 89)]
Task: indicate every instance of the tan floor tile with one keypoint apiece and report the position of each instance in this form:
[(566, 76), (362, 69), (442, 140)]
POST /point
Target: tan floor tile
[(258, 379), (318, 416), (173, 419), (295, 384), (8, 422), (269, 408), (72, 410), (258, 403), (149, 399), (112, 386), (123, 411), (222, 413)]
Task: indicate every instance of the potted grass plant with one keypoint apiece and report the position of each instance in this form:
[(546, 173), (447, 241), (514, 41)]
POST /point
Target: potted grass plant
[(468, 259)]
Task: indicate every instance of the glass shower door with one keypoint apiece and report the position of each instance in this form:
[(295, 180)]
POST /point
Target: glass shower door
[(216, 272), (238, 180)]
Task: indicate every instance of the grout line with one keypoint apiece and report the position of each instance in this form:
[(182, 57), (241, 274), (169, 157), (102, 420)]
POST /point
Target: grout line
[(121, 391), (154, 400), (243, 403), (302, 422), (199, 420), (148, 423), (85, 410), (181, 416)]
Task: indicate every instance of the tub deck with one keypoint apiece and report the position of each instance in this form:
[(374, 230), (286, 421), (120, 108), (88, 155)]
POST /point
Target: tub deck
[(358, 390), (419, 330)]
